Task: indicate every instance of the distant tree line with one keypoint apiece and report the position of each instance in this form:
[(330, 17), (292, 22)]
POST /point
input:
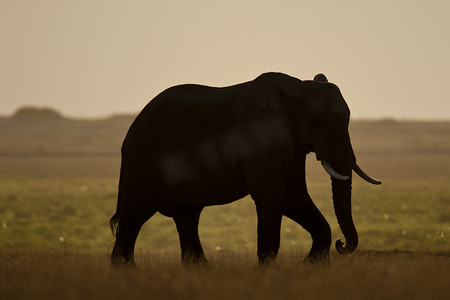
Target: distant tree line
[(30, 112)]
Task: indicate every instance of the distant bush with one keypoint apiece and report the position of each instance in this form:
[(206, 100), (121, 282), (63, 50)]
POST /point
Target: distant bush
[(44, 113)]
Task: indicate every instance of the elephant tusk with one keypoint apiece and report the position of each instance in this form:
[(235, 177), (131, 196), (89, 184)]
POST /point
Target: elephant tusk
[(364, 176), (326, 165)]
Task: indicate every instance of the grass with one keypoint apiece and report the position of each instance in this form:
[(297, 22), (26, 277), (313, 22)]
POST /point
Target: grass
[(231, 275), (73, 213), (57, 195)]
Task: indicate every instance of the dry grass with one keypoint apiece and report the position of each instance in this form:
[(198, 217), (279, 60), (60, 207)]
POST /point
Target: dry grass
[(229, 275)]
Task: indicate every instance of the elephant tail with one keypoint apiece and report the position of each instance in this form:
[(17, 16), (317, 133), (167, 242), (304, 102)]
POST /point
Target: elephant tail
[(114, 225), (114, 221)]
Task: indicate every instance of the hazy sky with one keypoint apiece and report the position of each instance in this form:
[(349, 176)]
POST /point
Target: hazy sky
[(95, 58)]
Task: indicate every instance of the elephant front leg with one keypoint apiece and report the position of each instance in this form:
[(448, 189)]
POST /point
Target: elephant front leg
[(269, 224), (309, 217)]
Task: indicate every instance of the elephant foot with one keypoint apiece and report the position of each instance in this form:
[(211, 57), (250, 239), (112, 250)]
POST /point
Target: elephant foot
[(197, 261), (266, 259), (120, 263), (318, 257), (122, 257)]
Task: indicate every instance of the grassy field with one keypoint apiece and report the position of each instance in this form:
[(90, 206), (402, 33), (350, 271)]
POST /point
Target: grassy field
[(58, 186), (231, 275)]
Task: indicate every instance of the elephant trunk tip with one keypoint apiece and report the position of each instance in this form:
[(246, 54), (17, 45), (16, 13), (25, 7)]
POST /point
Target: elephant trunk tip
[(349, 248)]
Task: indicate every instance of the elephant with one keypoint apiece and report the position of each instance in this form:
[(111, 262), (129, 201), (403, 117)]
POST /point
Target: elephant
[(194, 146)]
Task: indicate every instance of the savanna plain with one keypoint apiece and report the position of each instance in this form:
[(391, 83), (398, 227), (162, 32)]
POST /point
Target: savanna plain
[(58, 189)]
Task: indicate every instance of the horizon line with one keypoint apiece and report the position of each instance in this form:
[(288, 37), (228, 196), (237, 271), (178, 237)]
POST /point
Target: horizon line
[(135, 114)]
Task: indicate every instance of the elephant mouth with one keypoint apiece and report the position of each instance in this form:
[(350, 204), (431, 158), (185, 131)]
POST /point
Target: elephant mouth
[(333, 173)]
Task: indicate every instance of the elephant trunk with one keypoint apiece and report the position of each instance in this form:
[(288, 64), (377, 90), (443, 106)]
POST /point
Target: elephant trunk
[(338, 160), (342, 190)]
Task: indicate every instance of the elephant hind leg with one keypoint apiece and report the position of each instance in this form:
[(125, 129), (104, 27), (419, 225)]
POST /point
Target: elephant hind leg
[(309, 217), (187, 227), (127, 230)]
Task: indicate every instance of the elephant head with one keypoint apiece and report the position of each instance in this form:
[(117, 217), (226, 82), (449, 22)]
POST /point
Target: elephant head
[(326, 121), (316, 119)]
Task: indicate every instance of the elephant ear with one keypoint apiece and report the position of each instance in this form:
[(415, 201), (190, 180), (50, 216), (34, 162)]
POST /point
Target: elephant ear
[(262, 116), (260, 99), (320, 77)]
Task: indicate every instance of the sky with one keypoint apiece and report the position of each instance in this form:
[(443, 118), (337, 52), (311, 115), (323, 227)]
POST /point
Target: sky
[(391, 59)]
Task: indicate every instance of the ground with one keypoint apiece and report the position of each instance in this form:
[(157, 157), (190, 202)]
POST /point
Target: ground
[(58, 186)]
